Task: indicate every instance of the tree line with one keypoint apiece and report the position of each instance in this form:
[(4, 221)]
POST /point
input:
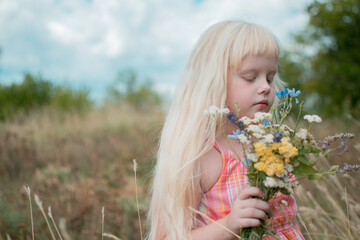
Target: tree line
[(324, 63)]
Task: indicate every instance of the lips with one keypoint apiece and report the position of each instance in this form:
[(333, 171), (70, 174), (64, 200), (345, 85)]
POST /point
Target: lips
[(262, 105), (263, 102)]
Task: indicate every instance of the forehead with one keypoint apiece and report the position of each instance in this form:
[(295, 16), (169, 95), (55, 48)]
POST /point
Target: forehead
[(258, 62), (257, 42)]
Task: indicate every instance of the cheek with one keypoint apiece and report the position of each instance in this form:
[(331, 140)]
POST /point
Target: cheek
[(271, 98), (230, 102), (230, 95)]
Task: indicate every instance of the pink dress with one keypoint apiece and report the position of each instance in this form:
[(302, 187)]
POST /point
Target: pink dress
[(217, 202)]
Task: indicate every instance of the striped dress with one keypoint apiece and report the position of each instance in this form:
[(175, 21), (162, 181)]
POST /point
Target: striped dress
[(217, 202)]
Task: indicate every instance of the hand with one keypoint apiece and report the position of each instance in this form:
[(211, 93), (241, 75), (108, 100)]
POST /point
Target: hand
[(247, 211)]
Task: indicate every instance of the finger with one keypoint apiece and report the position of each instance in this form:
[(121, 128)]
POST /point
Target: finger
[(253, 213), (249, 222), (256, 204), (251, 192)]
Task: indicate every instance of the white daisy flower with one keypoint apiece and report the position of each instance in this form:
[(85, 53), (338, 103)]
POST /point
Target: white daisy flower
[(213, 110), (246, 120), (224, 111), (261, 116), (289, 167), (268, 138), (255, 129), (285, 173), (313, 118), (243, 139), (257, 135), (302, 134), (270, 182), (253, 157)]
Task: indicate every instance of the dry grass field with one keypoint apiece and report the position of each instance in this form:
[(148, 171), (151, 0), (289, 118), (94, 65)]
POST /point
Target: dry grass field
[(80, 164)]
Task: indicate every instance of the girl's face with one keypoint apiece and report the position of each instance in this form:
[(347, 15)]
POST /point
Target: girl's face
[(252, 85)]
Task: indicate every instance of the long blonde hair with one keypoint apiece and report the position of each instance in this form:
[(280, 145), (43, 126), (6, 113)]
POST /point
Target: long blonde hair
[(188, 133)]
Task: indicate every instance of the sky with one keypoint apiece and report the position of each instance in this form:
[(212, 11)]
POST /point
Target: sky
[(86, 43)]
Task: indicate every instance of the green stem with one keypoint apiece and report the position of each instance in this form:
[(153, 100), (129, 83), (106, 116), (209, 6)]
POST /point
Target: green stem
[(233, 150), (297, 120)]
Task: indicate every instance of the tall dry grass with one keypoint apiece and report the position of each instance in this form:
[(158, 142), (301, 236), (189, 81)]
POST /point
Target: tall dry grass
[(77, 164), (329, 208), (80, 164)]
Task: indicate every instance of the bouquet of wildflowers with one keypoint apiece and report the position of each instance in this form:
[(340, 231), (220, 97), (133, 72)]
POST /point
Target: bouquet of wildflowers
[(275, 152)]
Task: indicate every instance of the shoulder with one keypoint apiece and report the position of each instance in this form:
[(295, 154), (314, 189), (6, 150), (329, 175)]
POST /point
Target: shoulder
[(211, 167)]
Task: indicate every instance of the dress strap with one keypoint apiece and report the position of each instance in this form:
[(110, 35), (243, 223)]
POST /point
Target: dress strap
[(217, 147)]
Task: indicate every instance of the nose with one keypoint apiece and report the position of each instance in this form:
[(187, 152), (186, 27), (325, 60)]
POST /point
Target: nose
[(264, 86)]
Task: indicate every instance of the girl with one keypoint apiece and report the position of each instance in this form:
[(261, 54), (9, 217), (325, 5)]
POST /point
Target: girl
[(232, 62)]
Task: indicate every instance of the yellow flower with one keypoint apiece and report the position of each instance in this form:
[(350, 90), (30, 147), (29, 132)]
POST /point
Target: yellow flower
[(272, 158), (275, 146), (287, 149), (279, 168), (270, 170), (260, 166), (260, 149)]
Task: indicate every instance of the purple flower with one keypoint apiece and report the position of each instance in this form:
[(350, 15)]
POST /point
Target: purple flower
[(235, 120), (348, 168), (232, 117), (342, 148), (277, 136)]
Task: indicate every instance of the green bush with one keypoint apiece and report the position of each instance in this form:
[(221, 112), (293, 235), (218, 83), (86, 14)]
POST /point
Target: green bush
[(35, 93), (67, 100), (127, 88)]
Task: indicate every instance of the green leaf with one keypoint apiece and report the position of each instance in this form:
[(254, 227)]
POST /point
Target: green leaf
[(237, 109), (304, 161), (284, 191), (303, 151), (316, 150), (295, 163), (314, 176), (262, 175), (304, 170), (334, 168), (327, 152)]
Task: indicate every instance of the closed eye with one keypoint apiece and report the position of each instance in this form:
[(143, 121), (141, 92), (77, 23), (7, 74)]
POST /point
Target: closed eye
[(249, 77)]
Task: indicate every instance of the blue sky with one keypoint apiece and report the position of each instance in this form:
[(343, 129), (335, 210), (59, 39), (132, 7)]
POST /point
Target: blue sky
[(85, 43)]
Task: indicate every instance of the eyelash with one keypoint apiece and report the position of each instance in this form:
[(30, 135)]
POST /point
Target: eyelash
[(250, 79), (253, 79)]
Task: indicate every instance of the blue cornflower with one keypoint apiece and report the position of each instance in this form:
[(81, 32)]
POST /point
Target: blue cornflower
[(235, 134), (282, 93), (232, 117), (265, 123), (294, 93), (277, 136)]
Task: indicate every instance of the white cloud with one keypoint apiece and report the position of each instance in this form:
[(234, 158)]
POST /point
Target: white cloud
[(62, 33), (87, 42)]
